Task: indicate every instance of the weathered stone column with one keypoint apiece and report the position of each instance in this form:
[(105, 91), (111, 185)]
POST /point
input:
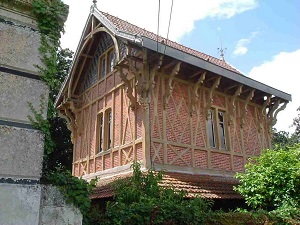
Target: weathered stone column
[(21, 146)]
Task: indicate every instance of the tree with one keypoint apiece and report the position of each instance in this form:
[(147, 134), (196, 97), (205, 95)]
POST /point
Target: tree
[(283, 139), (272, 182), (296, 123)]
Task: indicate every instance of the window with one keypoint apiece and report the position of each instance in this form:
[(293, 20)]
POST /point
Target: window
[(104, 130), (106, 63), (108, 128), (216, 129)]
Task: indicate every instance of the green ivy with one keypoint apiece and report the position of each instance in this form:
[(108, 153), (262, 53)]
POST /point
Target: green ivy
[(56, 61)]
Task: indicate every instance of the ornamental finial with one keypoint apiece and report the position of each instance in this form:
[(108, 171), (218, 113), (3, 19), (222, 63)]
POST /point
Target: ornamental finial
[(95, 3)]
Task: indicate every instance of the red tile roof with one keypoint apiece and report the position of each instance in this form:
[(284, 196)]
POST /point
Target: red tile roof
[(133, 29), (212, 187)]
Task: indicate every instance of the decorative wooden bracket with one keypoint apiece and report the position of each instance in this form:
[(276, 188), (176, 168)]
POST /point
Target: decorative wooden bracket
[(262, 113), (282, 107), (128, 86), (245, 111), (211, 96), (153, 71), (146, 80), (232, 106), (195, 94), (169, 88), (273, 112), (68, 111)]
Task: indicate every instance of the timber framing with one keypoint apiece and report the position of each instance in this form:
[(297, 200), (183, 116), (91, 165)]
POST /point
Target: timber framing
[(165, 106)]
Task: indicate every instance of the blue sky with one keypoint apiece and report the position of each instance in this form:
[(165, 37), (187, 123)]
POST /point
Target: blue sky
[(262, 37), (270, 28)]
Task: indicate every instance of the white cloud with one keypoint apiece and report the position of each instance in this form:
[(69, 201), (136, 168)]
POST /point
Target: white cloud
[(144, 14), (241, 46), (282, 72)]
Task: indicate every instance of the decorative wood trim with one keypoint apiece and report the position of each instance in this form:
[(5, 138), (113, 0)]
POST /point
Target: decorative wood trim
[(195, 95), (211, 92), (128, 86), (169, 89), (232, 107), (283, 106), (245, 109)]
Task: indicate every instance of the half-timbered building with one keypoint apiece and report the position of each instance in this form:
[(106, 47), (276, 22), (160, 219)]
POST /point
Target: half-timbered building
[(134, 96)]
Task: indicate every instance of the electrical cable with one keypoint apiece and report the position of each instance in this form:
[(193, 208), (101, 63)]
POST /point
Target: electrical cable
[(158, 15), (169, 24)]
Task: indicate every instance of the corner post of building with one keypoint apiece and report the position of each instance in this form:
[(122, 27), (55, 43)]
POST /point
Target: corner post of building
[(144, 101)]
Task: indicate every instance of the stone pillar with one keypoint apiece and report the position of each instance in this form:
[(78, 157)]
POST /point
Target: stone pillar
[(21, 146)]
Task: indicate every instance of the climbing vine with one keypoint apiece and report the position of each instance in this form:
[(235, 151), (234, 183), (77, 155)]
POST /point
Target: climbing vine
[(50, 17)]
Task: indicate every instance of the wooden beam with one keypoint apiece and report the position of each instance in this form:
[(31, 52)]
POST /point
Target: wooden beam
[(232, 107), (169, 87), (245, 110), (195, 94), (211, 94)]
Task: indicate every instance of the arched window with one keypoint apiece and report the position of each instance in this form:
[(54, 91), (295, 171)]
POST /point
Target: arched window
[(106, 62)]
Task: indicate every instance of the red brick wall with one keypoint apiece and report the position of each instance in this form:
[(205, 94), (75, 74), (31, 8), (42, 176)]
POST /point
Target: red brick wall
[(183, 132), (108, 93)]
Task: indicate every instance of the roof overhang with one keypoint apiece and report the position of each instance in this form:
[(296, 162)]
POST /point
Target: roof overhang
[(174, 53), (195, 61)]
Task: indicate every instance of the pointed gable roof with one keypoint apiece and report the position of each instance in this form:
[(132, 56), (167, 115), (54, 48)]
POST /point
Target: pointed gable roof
[(123, 29), (125, 26)]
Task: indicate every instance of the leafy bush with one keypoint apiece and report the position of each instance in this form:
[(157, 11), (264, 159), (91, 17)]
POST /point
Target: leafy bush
[(140, 200), (272, 182)]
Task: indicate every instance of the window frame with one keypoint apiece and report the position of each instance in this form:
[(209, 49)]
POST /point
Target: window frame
[(107, 63), (104, 131), (219, 133)]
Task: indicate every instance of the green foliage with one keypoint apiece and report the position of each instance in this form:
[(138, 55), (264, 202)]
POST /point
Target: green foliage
[(140, 200), (296, 124), (50, 15), (272, 182), (58, 147), (282, 139), (76, 190)]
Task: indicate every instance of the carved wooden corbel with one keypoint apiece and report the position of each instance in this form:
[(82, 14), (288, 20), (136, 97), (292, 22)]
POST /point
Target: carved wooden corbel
[(68, 111), (245, 110), (282, 107), (153, 72), (128, 86), (195, 93), (232, 106), (262, 113), (211, 96), (273, 111), (169, 88)]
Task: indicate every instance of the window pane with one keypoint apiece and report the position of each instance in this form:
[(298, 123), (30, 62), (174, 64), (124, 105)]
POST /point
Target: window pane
[(109, 130), (211, 132), (222, 130), (100, 133), (103, 67), (111, 61)]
